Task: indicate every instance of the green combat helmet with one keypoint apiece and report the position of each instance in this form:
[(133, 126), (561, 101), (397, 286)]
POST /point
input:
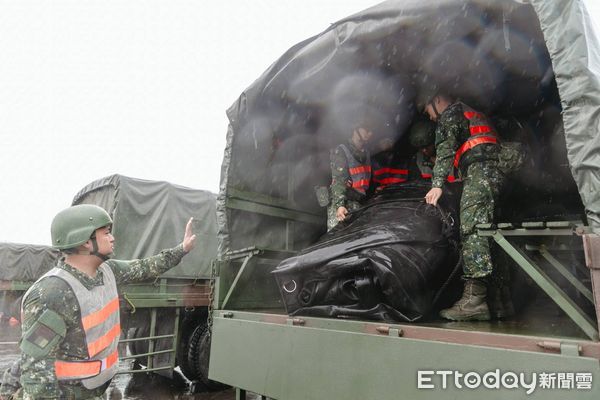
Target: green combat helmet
[(425, 95), (75, 225), (421, 134)]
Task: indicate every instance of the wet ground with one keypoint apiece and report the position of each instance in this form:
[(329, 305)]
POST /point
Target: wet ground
[(124, 386)]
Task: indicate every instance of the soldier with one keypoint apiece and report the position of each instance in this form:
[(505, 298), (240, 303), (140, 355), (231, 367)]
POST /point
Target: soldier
[(350, 176), (389, 168), (466, 140), (70, 325), (421, 136)]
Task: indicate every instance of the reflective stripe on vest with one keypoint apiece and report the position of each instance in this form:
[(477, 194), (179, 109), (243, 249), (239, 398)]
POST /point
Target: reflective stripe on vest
[(472, 142), (101, 323), (389, 176), (96, 318), (427, 172), (360, 174), (481, 132), (84, 369), (450, 178)]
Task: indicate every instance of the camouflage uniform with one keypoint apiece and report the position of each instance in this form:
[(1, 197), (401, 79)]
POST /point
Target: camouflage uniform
[(421, 167), (38, 377), (482, 182), (389, 169), (10, 381), (340, 192)]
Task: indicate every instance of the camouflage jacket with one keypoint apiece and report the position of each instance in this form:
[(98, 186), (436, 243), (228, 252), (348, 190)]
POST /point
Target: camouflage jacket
[(398, 174), (340, 176), (452, 130), (420, 167), (38, 377)]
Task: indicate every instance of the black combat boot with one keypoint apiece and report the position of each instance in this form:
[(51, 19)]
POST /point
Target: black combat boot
[(500, 302), (472, 306)]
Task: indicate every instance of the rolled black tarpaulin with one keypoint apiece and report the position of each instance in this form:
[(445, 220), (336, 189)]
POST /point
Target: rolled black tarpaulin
[(386, 263)]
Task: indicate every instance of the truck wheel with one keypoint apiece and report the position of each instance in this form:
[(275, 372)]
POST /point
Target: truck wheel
[(139, 347), (199, 357), (183, 348)]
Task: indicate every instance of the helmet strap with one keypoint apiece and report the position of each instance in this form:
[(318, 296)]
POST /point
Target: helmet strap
[(95, 252), (435, 110)]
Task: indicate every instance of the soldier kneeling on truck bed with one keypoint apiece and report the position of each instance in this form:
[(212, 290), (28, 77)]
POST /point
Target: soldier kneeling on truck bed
[(70, 326)]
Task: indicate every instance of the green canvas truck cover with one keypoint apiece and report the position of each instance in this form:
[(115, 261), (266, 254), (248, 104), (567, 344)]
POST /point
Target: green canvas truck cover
[(21, 263), (25, 262), (507, 57), (150, 216)]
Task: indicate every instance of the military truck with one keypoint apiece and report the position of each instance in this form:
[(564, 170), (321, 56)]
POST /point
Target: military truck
[(533, 62), (20, 265), (164, 321)]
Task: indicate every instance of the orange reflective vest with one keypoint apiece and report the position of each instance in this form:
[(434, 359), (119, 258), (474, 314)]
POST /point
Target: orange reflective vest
[(481, 132), (386, 176), (101, 323), (427, 172), (450, 178), (360, 174)]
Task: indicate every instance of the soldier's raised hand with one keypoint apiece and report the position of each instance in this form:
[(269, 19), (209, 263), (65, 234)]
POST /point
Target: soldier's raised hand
[(189, 238)]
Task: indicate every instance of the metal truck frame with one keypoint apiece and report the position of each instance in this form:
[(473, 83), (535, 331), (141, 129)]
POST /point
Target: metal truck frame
[(280, 357)]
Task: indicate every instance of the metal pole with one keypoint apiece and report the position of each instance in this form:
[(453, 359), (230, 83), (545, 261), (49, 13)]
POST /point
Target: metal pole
[(566, 273), (591, 246), (175, 338), (237, 278), (548, 286), (240, 394), (151, 341)]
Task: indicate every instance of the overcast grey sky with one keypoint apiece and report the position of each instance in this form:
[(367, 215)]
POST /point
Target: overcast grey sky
[(135, 87)]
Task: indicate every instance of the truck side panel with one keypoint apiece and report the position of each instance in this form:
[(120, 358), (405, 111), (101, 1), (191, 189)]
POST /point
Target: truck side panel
[(283, 361)]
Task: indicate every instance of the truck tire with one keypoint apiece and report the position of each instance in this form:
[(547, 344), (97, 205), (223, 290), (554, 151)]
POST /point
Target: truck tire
[(138, 347), (199, 357), (187, 329)]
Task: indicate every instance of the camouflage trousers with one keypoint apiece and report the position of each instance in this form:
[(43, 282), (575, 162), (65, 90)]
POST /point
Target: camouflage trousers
[(481, 189), (332, 220)]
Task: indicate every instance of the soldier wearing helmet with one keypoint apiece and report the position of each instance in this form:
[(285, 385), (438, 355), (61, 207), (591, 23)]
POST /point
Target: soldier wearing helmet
[(70, 316), (467, 142), (350, 175), (389, 166), (421, 136)]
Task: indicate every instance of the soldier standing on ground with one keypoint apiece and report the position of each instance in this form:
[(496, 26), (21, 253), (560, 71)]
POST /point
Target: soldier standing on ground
[(350, 176), (466, 140), (70, 326)]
